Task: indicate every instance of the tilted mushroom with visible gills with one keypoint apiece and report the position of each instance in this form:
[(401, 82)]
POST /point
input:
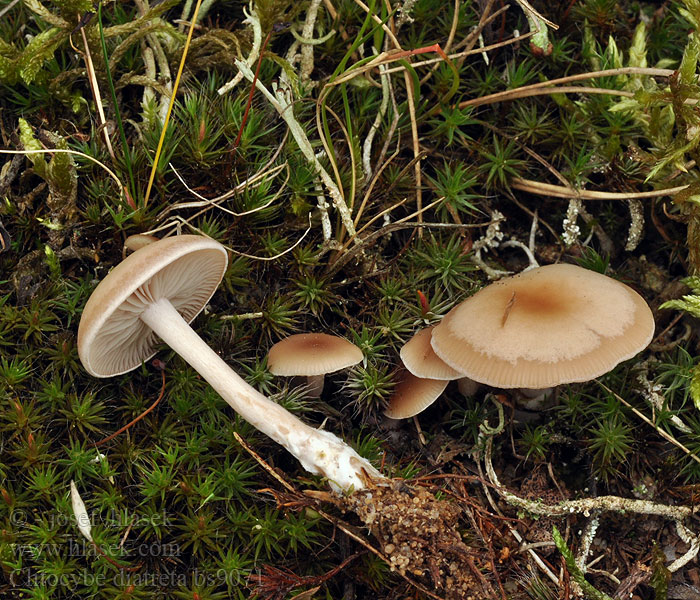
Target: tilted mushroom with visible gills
[(420, 359), (155, 292), (312, 355), (547, 326), (413, 395), (424, 380), (418, 356)]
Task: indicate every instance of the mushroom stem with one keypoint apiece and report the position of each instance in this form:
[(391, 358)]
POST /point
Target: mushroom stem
[(467, 386), (320, 452), (315, 383)]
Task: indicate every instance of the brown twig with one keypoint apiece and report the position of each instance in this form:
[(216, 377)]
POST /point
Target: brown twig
[(273, 581), (560, 191), (536, 89), (141, 416)]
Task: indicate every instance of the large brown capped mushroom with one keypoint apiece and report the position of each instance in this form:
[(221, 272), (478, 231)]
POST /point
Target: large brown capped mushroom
[(547, 326)]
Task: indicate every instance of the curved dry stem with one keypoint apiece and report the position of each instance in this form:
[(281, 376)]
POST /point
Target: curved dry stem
[(528, 93), (350, 201), (528, 90), (180, 221), (560, 191), (215, 202), (373, 182), (448, 43), (583, 506)]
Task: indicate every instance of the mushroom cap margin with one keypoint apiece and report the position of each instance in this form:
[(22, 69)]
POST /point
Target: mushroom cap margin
[(420, 359), (412, 395)]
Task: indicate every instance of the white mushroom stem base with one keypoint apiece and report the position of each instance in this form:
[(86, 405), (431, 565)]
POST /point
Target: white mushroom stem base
[(319, 452)]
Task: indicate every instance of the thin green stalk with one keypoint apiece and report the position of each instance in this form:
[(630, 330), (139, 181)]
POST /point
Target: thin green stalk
[(360, 38), (576, 574), (176, 85), (351, 134), (118, 117)]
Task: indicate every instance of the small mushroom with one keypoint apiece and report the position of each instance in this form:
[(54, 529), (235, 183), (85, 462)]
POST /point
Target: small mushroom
[(154, 293), (413, 395), (420, 359), (312, 355), (547, 326), (423, 366), (136, 242)]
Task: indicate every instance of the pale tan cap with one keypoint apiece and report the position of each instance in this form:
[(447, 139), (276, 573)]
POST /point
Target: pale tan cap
[(310, 354), (550, 325), (420, 359), (413, 395), (185, 269)]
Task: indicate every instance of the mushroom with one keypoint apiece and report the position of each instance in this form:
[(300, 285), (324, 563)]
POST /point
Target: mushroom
[(137, 241), (420, 359), (312, 355), (547, 326), (155, 292), (413, 394)]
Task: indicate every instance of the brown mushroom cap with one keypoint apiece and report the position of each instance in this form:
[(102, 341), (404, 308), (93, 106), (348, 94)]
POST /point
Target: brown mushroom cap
[(413, 395), (185, 269), (551, 325), (420, 359), (136, 242), (310, 354)]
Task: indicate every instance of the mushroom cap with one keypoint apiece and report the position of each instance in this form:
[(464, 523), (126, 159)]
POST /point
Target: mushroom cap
[(413, 395), (185, 269), (420, 359), (547, 326), (312, 354), (137, 241)]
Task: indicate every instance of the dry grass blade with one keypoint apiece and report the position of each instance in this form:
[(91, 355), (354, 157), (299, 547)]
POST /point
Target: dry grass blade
[(92, 78), (535, 89), (560, 191), (668, 437), (176, 85)]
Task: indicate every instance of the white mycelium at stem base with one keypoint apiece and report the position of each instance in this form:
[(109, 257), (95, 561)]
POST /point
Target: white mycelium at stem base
[(320, 452)]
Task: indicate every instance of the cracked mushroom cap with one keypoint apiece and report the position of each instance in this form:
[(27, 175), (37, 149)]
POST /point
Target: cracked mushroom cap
[(310, 354), (420, 359), (185, 269), (547, 326), (413, 395)]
